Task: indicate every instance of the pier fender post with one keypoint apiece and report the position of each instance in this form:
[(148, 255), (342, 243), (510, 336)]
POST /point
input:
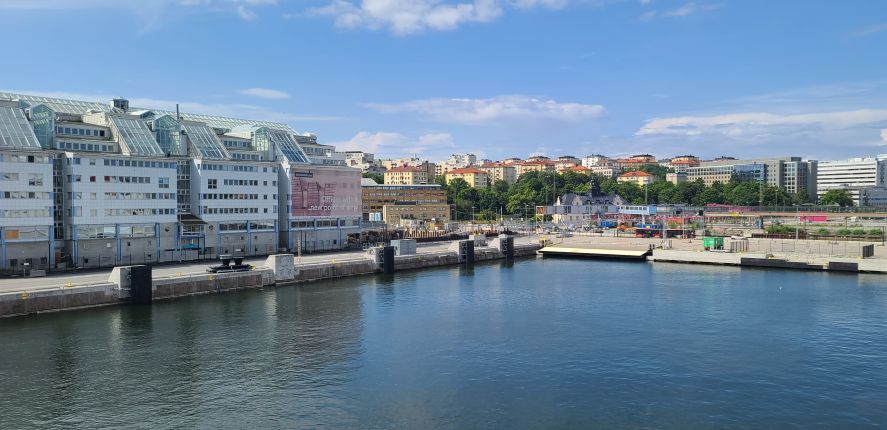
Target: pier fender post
[(141, 288), (388, 260), (461, 249), (469, 252), (505, 245)]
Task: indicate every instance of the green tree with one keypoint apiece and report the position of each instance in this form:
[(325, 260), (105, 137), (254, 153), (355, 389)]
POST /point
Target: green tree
[(745, 193), (837, 198), (378, 177), (801, 198), (655, 170)]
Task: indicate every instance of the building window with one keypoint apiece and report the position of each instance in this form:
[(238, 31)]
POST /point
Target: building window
[(211, 184)]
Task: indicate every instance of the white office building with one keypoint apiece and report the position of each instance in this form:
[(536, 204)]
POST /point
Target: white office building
[(864, 178), (87, 184)]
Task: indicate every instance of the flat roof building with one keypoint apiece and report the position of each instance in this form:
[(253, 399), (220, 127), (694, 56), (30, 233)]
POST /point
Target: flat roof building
[(377, 196)]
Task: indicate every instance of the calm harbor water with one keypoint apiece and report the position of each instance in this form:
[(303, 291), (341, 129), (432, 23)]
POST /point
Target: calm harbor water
[(538, 344)]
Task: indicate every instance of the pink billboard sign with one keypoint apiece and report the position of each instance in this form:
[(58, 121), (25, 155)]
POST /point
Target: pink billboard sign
[(326, 191), (814, 218)]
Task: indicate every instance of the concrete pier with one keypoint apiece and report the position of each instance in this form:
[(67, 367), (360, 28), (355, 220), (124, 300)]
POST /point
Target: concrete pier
[(277, 270)]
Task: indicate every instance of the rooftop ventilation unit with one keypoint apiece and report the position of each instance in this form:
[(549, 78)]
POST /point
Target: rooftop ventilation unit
[(121, 103)]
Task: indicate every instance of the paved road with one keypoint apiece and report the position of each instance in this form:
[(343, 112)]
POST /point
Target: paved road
[(98, 276)]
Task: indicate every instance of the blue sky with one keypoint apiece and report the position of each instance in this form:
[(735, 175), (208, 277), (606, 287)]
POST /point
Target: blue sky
[(498, 78)]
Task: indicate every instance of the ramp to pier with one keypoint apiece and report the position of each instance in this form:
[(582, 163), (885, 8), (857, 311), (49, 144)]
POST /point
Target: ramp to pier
[(622, 254)]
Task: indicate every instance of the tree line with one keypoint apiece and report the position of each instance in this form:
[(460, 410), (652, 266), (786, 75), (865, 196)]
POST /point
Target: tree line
[(542, 188)]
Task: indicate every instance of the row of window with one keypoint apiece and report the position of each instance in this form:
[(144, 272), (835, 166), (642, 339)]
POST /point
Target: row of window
[(242, 182), (235, 144), (242, 156), (226, 211), (126, 179), (74, 131), (241, 226), (24, 195), (16, 158), (34, 179), (324, 223), (26, 233), (234, 168), (77, 146), (124, 196), (140, 163), (24, 213), (130, 212), (213, 196), (213, 184), (109, 231), (139, 196)]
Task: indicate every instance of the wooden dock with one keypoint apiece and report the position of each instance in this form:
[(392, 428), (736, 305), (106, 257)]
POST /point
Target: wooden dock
[(620, 254)]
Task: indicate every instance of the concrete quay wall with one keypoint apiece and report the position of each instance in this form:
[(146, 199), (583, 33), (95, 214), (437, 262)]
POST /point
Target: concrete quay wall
[(868, 265), (279, 270), (48, 300)]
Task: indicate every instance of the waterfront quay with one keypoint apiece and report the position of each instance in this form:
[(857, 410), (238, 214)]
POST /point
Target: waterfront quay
[(21, 296), (845, 256)]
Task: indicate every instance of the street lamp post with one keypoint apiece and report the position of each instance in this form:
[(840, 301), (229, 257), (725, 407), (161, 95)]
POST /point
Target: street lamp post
[(472, 218)]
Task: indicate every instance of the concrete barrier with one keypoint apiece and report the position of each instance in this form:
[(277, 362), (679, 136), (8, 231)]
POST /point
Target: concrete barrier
[(283, 266), (404, 246), (696, 257)]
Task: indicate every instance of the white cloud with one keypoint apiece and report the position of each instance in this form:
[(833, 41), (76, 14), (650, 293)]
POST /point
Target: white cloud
[(476, 111), (403, 17), (147, 9), (433, 142), (872, 29), (397, 144), (753, 123), (884, 135), (371, 142), (552, 4), (686, 9), (265, 93)]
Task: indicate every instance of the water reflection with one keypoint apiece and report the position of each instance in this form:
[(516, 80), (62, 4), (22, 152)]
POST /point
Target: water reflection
[(536, 343)]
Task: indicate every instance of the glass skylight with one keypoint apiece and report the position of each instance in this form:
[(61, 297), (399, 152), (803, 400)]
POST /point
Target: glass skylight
[(135, 137), (205, 142), (15, 131)]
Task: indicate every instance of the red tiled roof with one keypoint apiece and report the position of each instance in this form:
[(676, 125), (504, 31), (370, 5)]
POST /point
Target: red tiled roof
[(634, 174), (466, 170), (578, 168)]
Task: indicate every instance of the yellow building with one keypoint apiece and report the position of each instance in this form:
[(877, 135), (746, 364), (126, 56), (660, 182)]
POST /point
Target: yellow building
[(416, 215), (475, 177), (500, 172), (377, 196), (406, 175), (638, 177)]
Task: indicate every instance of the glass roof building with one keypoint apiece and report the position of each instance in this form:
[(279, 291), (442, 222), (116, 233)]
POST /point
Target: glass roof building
[(156, 132), (107, 184), (15, 130)]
